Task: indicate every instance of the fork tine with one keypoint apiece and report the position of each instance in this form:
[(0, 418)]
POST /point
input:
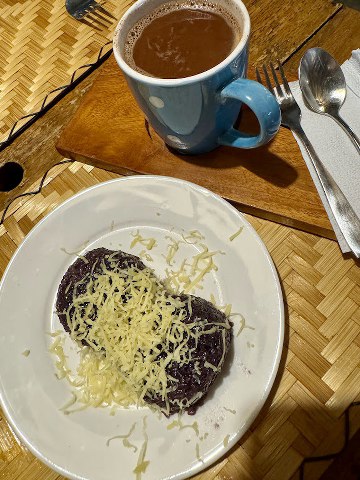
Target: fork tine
[(258, 77), (90, 24), (81, 8), (267, 78), (277, 84), (105, 12), (100, 17), (96, 20), (284, 79)]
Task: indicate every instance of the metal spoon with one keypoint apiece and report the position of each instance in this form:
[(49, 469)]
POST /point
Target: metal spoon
[(323, 86)]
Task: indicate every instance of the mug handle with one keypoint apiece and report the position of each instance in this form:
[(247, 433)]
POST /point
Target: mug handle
[(263, 103)]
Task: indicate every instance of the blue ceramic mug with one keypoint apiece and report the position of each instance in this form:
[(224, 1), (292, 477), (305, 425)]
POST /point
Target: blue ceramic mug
[(196, 114)]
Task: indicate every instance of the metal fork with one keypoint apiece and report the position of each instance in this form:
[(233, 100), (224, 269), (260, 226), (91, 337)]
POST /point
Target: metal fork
[(346, 218), (79, 8)]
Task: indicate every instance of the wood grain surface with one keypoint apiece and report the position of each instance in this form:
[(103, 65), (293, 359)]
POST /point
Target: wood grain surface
[(272, 181), (339, 37), (41, 47), (270, 36), (35, 149)]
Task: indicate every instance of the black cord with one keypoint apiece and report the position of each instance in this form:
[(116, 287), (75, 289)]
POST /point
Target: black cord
[(38, 190), (45, 106), (63, 90)]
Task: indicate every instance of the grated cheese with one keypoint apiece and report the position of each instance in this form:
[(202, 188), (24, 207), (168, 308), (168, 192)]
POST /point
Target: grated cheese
[(142, 464), (55, 334), (146, 256), (70, 403), (96, 382), (182, 426), (56, 348), (243, 325), (236, 234), (210, 365), (121, 366), (224, 308), (149, 243), (139, 331), (191, 275), (123, 437), (197, 453), (76, 253), (173, 247), (26, 353), (127, 444), (230, 410), (130, 332), (193, 237)]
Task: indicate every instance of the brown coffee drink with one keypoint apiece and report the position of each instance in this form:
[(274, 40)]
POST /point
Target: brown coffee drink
[(181, 39)]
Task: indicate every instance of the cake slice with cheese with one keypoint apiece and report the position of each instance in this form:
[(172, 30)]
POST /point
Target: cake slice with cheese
[(168, 348)]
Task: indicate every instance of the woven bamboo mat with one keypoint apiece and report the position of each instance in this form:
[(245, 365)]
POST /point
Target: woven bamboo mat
[(320, 372), (41, 47)]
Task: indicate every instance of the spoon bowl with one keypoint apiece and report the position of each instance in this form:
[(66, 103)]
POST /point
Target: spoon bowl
[(322, 81), (323, 86)]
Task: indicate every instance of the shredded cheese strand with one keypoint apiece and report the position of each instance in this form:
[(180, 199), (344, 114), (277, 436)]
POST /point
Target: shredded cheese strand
[(236, 234), (123, 437), (149, 243), (243, 325), (142, 464), (191, 275)]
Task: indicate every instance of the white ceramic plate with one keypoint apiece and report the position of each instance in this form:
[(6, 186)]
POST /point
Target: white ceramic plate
[(106, 215)]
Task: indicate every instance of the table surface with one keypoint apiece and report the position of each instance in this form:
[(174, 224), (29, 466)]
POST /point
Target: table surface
[(42, 46), (319, 375)]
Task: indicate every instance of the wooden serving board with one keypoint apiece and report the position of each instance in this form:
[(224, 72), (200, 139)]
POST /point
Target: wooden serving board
[(109, 131)]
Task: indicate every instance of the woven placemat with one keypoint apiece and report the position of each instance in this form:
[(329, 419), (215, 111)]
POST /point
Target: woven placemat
[(319, 375), (42, 46)]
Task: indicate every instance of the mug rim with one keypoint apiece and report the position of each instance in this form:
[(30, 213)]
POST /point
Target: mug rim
[(173, 82)]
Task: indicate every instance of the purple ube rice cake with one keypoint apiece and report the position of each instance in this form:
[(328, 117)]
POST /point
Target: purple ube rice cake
[(185, 381)]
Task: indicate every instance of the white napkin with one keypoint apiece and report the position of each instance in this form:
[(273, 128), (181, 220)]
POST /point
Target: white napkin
[(333, 145)]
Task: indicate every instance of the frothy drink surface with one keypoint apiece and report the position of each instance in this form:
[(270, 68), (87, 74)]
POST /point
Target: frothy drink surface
[(178, 40)]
